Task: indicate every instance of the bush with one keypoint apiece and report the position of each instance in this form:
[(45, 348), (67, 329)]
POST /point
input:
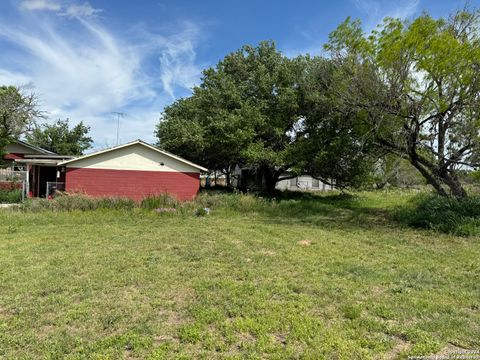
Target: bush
[(159, 201), (10, 196), (116, 203), (448, 215), (202, 211), (226, 203), (78, 202)]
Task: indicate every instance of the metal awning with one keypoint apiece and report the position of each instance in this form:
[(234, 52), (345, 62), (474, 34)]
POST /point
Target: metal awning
[(60, 157), (50, 162)]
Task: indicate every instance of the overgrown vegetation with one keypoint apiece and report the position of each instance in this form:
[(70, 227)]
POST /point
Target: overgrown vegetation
[(448, 215), (298, 276), (459, 217), (10, 196)]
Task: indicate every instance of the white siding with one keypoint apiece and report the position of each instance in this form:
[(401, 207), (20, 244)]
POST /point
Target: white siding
[(135, 157), (302, 183)]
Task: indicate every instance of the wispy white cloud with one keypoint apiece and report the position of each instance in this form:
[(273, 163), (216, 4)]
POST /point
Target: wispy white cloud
[(406, 11), (60, 8), (84, 71), (34, 5), (177, 61), (375, 11), (371, 12), (80, 10), (9, 77)]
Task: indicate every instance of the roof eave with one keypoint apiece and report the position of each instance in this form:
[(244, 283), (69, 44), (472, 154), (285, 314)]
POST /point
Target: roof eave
[(36, 148), (178, 158)]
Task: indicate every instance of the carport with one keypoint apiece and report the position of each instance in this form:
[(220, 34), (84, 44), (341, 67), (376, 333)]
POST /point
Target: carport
[(44, 175)]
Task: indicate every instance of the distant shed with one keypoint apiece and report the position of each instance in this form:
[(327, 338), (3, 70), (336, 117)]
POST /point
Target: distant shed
[(133, 170)]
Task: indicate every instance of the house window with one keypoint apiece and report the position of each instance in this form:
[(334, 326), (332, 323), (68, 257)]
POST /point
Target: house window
[(293, 182), (315, 183)]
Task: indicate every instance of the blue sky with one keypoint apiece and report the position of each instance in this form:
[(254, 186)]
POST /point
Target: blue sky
[(88, 59)]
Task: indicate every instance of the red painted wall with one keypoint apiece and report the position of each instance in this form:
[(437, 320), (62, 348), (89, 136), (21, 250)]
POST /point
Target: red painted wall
[(132, 184)]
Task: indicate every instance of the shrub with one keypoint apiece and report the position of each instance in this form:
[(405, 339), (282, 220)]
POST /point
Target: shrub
[(10, 195), (159, 201), (202, 211), (78, 202), (116, 203), (164, 204), (448, 215)]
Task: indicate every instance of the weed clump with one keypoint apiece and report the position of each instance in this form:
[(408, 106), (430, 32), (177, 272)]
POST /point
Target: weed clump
[(447, 215)]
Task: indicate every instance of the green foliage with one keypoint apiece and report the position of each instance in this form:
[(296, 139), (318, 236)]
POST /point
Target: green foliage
[(352, 312), (332, 144), (417, 85), (244, 112), (262, 110), (159, 201), (77, 202), (17, 111), (189, 334), (448, 215), (60, 139), (10, 195), (393, 171), (201, 212), (459, 217)]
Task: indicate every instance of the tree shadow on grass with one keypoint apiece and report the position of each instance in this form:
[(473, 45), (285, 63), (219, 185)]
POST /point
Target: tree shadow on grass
[(345, 211)]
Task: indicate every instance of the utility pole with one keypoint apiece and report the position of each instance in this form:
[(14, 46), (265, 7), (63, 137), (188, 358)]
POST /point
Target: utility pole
[(118, 115)]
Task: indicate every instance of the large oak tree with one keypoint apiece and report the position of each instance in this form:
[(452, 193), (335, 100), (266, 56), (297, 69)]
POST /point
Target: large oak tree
[(244, 112)]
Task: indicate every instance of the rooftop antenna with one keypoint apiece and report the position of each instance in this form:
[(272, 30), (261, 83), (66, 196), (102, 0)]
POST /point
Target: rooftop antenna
[(118, 115)]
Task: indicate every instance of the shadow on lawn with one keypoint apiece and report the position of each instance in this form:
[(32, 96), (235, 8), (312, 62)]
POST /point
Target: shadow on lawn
[(328, 210), (344, 210)]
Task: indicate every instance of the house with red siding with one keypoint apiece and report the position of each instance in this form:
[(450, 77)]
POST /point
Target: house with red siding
[(133, 170)]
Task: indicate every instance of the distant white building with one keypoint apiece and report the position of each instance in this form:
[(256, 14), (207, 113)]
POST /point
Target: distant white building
[(246, 178), (303, 183)]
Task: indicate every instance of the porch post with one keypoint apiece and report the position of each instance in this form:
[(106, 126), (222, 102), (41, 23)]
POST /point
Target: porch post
[(27, 182)]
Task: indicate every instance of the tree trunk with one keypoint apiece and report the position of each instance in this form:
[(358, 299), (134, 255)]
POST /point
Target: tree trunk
[(439, 182), (455, 186), (432, 180), (228, 179), (270, 178), (435, 173)]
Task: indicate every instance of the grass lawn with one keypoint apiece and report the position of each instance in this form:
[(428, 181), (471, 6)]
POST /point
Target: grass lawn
[(328, 277)]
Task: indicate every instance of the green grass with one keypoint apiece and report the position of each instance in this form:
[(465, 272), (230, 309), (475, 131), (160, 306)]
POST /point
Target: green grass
[(310, 277)]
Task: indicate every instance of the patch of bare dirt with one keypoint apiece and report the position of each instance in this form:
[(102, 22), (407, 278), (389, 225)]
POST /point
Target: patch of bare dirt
[(164, 338), (454, 351), (267, 252), (304, 243), (400, 347), (281, 338)]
